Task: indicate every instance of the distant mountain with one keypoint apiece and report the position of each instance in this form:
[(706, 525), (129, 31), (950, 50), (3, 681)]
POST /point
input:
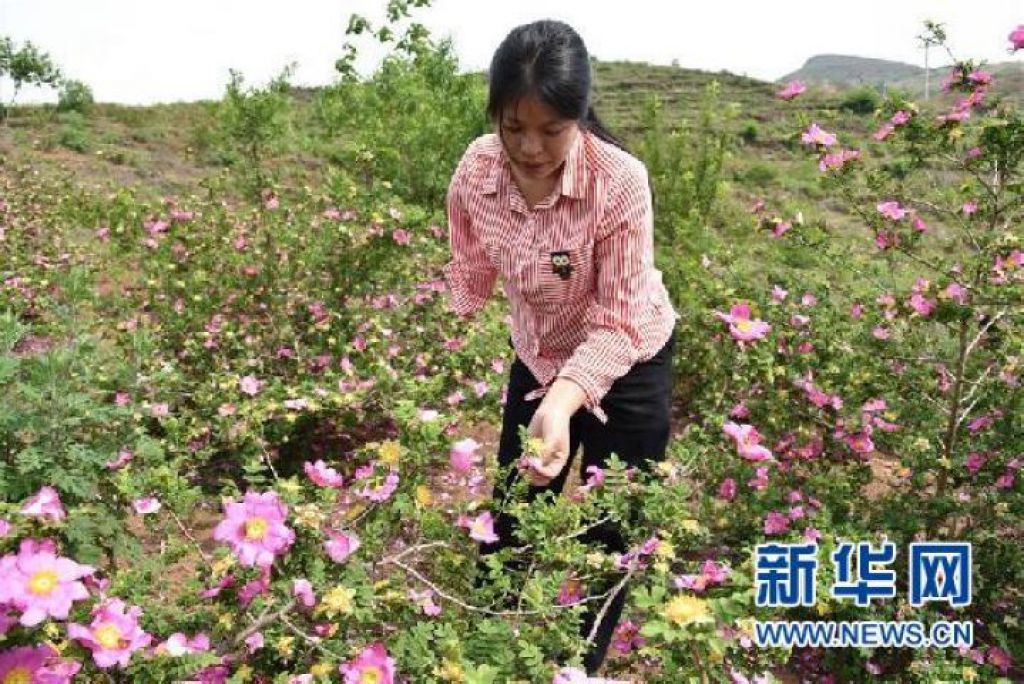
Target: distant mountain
[(847, 70), (843, 71)]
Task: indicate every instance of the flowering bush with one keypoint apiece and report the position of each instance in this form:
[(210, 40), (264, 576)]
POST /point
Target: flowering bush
[(243, 446)]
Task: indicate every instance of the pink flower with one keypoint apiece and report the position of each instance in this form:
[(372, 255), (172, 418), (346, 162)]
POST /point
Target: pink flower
[(425, 600), (747, 440), (778, 294), (250, 385), (856, 311), (161, 410), (922, 305), (25, 664), (918, 224), (303, 590), (811, 534), (794, 88), (627, 637), (382, 492), (836, 160), (727, 490), (45, 505), (401, 236), (372, 665), (741, 326), (254, 642), (998, 658), (775, 523), (113, 635), (595, 479), (146, 505), (481, 528), (1016, 38), (341, 545), (739, 411), (970, 207), (880, 333), (884, 132), (815, 135), (323, 475), (861, 441), (179, 644), (892, 210), (760, 479), (899, 118), (123, 457), (781, 228), (5, 528), (570, 592), (957, 292), (255, 529), (975, 461), (463, 455)]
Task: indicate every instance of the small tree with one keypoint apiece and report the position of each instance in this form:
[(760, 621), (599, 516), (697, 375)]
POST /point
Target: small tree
[(252, 121), (26, 66), (75, 96)]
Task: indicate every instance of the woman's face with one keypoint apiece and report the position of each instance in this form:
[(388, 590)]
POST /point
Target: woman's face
[(537, 139)]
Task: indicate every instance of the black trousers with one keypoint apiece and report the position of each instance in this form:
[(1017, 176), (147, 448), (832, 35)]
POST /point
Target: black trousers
[(637, 406)]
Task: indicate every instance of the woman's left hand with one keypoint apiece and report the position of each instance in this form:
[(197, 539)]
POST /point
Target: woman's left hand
[(551, 426)]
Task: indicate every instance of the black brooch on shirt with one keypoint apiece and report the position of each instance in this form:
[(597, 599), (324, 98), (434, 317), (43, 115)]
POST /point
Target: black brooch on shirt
[(560, 265)]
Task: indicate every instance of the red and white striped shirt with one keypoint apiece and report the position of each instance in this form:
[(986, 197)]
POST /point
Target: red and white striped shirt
[(586, 301)]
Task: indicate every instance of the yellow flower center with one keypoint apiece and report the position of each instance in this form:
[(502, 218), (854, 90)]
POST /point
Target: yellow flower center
[(108, 635), (370, 676), (683, 610), (744, 325), (19, 675), (42, 584), (255, 529), (390, 452)]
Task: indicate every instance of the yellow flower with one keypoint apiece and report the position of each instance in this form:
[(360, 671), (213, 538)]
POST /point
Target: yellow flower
[(285, 646), (390, 452), (690, 525), (227, 621), (450, 671), (424, 497), (665, 550), (321, 670), (354, 510), (338, 601), (309, 515), (243, 673), (685, 610), (222, 565), (746, 626), (969, 674), (534, 446)]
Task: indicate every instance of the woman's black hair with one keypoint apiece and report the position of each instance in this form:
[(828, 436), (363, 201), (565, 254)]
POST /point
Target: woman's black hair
[(549, 60)]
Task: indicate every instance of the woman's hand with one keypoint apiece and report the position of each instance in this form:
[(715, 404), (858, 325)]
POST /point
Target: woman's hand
[(550, 424)]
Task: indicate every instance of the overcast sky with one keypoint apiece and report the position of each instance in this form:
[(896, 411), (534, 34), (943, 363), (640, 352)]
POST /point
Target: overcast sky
[(145, 51)]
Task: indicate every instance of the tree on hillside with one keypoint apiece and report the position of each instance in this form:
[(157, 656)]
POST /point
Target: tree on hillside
[(27, 65)]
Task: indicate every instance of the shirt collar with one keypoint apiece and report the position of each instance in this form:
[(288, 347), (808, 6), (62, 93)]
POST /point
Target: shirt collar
[(574, 174)]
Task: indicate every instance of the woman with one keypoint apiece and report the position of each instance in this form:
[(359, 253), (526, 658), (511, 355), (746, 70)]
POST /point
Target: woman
[(555, 204)]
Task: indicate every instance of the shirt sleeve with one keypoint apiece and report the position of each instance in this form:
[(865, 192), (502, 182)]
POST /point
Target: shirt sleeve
[(470, 275), (624, 260)]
